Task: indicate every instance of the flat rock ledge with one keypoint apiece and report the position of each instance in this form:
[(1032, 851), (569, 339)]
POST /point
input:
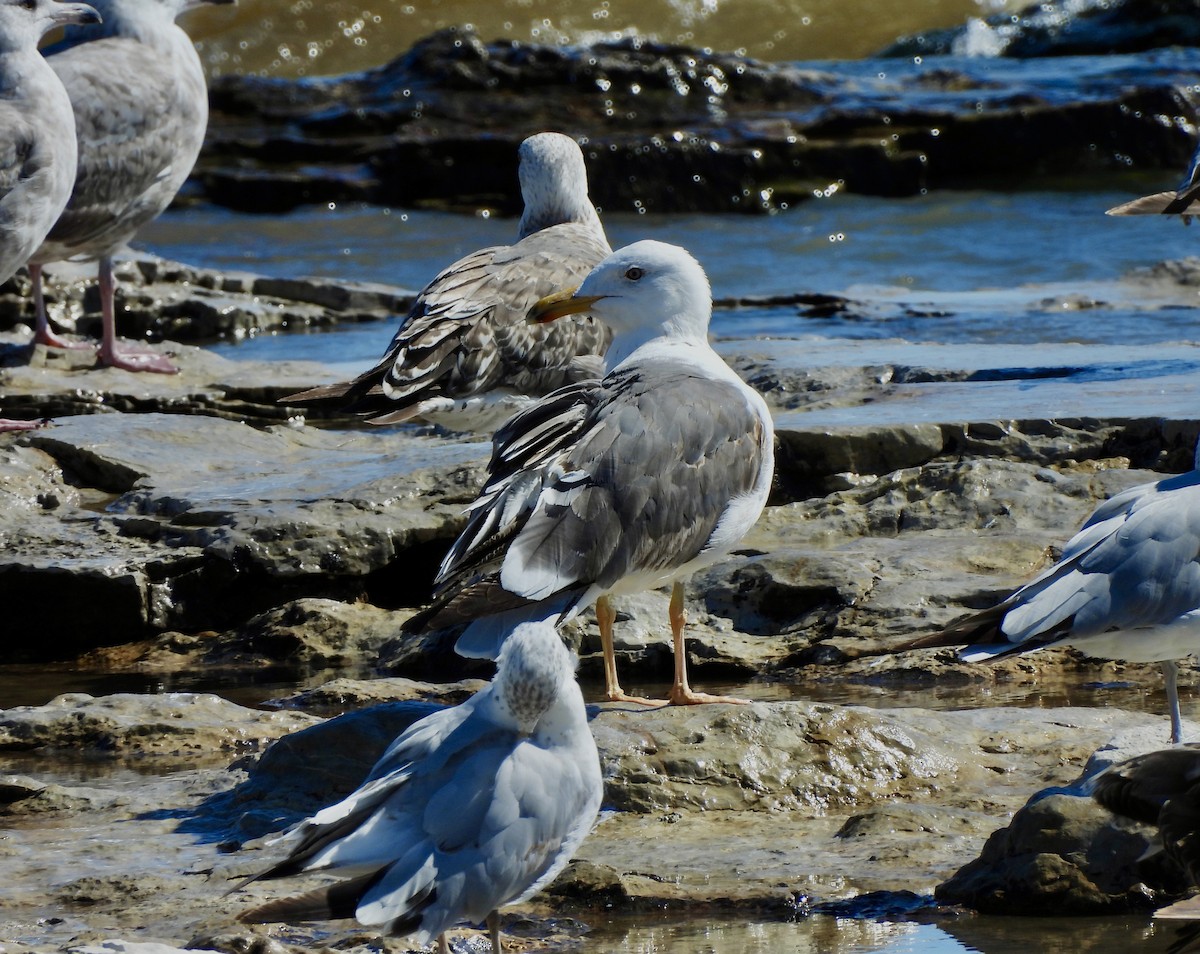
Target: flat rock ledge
[(776, 809)]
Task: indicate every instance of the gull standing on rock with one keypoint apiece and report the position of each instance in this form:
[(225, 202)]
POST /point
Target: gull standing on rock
[(37, 134), (141, 111), (619, 485), (465, 353), (1126, 587), (473, 808)]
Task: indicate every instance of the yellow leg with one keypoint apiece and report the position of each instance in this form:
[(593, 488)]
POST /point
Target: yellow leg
[(681, 693), (605, 617), (443, 944)]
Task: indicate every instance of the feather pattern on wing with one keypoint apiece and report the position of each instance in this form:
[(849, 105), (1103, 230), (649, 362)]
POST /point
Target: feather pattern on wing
[(471, 809), (630, 475), (1133, 566), (466, 333), (140, 129)]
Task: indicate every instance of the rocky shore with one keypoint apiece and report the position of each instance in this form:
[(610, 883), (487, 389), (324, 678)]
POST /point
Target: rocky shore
[(185, 529), (673, 129)]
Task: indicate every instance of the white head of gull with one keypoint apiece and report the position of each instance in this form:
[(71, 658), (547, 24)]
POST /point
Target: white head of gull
[(141, 110), (619, 485), (1127, 586), (471, 809), (37, 134), (464, 357)]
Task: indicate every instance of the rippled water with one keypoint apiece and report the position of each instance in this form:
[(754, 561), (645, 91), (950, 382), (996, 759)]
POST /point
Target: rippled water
[(949, 267), (311, 37)]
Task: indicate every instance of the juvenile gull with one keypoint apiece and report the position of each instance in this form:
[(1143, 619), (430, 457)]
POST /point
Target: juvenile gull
[(473, 808), (465, 353), (619, 485), (1127, 587), (37, 135), (141, 110)]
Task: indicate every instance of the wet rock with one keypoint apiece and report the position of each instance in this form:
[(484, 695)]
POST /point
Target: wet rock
[(672, 129), (181, 725), (1064, 28), (329, 518), (158, 299)]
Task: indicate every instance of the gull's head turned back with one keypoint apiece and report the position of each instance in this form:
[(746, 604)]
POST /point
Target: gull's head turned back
[(533, 667), (554, 184)]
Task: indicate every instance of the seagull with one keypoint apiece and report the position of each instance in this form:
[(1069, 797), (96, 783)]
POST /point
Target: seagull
[(473, 808), (619, 485), (1127, 587), (1178, 202), (465, 351), (37, 135), (141, 110)]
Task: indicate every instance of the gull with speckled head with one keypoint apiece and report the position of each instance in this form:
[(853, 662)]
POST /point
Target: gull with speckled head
[(37, 134), (472, 809), (1126, 587), (141, 110), (619, 485), (464, 356)]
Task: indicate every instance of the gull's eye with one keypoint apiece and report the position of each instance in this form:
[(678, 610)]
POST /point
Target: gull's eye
[(634, 273)]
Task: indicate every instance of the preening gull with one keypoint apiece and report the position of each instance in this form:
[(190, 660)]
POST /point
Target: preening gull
[(37, 134), (1127, 587), (1178, 202), (618, 485), (473, 808), (464, 355), (141, 110)]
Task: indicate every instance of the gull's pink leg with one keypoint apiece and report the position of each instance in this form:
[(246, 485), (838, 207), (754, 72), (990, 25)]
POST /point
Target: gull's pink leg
[(132, 360), (43, 333)]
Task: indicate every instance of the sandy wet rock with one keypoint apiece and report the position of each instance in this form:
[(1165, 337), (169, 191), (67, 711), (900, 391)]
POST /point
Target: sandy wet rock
[(766, 808)]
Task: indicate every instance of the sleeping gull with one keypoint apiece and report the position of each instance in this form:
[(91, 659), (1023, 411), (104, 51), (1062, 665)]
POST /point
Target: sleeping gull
[(37, 135), (619, 485), (1126, 587), (473, 808), (1178, 202), (141, 110), (465, 351)]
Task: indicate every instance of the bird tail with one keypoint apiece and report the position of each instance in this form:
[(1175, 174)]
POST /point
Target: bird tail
[(329, 902), (975, 629)]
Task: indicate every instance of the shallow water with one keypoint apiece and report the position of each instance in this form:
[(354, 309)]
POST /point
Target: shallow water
[(948, 267)]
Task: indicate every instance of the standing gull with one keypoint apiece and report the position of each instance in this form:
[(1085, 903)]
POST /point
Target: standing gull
[(1127, 587), (473, 808), (37, 134), (141, 110), (619, 485), (465, 351)]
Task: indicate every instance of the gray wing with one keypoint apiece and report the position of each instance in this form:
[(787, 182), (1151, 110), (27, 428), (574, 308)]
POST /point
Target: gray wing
[(466, 333), (137, 139), (630, 474), (20, 160), (1135, 563)]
